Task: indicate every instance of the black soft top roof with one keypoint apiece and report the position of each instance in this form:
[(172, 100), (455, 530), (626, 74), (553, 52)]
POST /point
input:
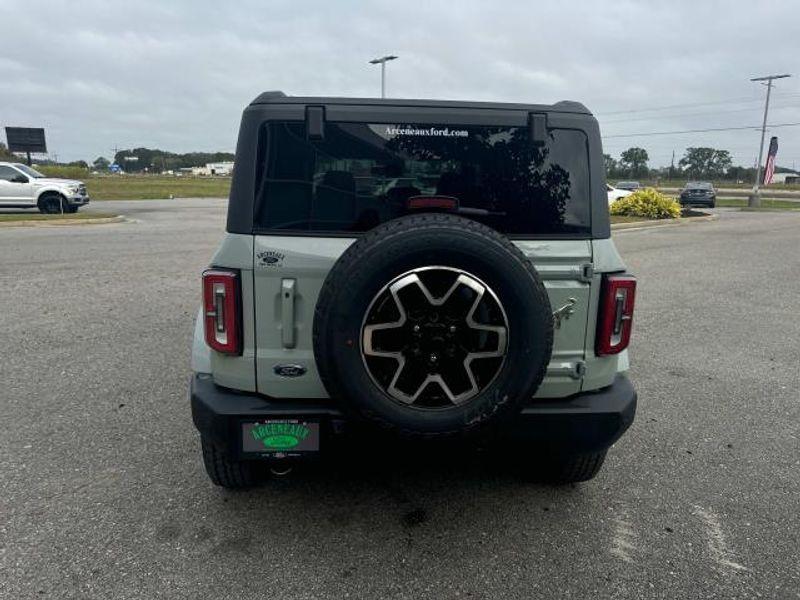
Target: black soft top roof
[(278, 97)]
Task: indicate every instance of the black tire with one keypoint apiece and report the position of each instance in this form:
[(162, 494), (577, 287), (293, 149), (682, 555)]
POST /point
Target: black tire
[(71, 209), (228, 473), (570, 468), (414, 242), (52, 204)]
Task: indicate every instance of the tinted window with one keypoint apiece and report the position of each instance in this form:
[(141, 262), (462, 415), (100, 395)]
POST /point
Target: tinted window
[(8, 174), (361, 175)]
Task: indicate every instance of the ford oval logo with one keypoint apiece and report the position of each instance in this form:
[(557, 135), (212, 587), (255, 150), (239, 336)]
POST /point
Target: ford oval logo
[(289, 370)]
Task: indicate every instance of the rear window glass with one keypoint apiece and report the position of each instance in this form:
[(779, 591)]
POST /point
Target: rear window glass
[(361, 175)]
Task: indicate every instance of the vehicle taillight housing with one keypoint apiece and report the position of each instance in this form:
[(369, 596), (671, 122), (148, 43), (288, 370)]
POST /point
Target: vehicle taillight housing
[(616, 314), (222, 310)]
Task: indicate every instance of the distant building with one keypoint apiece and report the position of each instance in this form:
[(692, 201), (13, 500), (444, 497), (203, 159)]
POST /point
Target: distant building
[(219, 168), (790, 178)]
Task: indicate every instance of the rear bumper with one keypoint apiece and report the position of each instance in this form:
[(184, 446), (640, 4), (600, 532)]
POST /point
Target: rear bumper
[(697, 201), (586, 422)]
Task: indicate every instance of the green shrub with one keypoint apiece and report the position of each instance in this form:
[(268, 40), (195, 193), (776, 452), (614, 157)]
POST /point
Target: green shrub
[(648, 204), (64, 171)]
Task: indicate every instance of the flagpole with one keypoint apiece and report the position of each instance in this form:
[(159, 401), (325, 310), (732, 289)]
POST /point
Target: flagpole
[(754, 200)]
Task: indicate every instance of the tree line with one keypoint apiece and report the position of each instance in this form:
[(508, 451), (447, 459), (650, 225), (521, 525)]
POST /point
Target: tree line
[(697, 163), (5, 154)]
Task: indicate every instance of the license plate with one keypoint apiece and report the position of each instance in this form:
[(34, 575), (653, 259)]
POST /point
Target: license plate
[(285, 437)]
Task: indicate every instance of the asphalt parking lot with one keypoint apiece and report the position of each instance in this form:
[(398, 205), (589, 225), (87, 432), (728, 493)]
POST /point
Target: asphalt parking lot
[(104, 495)]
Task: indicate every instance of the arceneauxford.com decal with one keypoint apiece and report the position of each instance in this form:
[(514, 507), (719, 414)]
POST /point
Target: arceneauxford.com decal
[(391, 131)]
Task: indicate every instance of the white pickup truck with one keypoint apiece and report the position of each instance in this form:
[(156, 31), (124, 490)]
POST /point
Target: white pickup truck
[(24, 187)]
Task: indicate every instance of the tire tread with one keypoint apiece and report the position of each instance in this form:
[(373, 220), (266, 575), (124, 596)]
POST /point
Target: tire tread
[(575, 468), (226, 472)]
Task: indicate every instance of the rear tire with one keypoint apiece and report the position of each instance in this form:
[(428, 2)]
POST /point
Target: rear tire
[(569, 468), (227, 472)]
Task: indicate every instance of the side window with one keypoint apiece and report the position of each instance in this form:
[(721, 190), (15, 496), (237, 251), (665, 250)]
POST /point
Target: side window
[(8, 174), (289, 177)]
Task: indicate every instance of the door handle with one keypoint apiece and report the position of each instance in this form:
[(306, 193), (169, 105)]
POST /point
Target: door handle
[(287, 312)]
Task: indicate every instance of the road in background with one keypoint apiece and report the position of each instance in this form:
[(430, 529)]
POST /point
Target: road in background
[(104, 495), (766, 193)]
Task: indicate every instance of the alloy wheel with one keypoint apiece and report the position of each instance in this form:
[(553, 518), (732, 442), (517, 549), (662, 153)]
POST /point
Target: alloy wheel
[(434, 337)]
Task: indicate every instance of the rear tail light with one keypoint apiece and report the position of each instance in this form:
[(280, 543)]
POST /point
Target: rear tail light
[(616, 314), (222, 311)]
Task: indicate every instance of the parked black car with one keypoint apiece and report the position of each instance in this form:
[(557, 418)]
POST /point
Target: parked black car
[(699, 193)]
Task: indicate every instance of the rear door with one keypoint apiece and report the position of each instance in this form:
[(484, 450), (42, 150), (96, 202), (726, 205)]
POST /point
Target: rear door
[(289, 272)]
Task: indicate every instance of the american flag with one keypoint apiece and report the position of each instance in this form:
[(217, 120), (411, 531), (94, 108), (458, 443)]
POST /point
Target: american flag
[(769, 170)]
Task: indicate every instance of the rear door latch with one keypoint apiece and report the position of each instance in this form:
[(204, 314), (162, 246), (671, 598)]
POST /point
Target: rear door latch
[(564, 313)]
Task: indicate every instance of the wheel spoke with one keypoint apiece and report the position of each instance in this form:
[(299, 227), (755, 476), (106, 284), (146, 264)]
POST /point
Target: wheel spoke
[(369, 330)]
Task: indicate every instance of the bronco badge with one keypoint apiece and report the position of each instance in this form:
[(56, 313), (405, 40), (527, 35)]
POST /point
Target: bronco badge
[(270, 258)]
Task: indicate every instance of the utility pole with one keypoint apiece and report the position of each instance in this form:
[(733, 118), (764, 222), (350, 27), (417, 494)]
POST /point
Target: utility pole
[(754, 200), (672, 167), (382, 62)]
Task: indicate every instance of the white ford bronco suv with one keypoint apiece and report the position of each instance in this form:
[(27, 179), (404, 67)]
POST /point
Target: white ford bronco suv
[(22, 186), (433, 271)]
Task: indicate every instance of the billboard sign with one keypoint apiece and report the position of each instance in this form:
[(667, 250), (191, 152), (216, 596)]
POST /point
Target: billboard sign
[(26, 139)]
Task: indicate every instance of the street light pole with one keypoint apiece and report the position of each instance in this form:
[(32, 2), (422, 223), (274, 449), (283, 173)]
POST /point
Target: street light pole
[(382, 62), (754, 200)]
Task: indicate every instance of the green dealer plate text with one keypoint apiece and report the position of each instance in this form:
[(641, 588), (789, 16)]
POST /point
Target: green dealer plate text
[(273, 436)]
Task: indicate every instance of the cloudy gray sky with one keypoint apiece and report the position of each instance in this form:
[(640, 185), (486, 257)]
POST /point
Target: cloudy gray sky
[(176, 75)]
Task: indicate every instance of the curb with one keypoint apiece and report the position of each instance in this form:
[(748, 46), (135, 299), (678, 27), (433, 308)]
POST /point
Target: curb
[(62, 222), (663, 223)]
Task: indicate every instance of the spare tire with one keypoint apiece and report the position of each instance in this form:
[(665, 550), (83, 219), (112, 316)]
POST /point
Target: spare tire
[(432, 325)]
